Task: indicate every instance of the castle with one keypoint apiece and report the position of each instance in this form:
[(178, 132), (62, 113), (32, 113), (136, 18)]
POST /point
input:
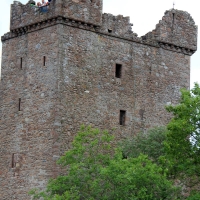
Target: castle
[(69, 64)]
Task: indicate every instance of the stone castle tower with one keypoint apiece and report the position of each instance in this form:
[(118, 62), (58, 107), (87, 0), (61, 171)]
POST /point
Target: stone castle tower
[(68, 64)]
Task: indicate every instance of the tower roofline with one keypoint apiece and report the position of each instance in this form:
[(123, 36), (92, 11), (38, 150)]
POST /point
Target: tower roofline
[(175, 32)]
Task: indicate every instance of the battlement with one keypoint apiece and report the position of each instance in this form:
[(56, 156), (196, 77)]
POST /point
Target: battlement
[(176, 31), (117, 25), (86, 11)]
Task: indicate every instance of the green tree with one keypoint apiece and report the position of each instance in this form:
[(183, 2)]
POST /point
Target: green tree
[(98, 171), (194, 196), (150, 143), (183, 137)]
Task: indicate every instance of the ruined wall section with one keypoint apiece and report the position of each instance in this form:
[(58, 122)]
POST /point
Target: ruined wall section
[(177, 31), (117, 25), (28, 136)]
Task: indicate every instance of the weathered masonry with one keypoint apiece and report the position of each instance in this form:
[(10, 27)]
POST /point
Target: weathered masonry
[(73, 65)]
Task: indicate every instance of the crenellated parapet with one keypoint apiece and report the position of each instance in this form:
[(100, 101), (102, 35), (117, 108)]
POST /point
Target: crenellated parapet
[(26, 15), (86, 11), (176, 31)]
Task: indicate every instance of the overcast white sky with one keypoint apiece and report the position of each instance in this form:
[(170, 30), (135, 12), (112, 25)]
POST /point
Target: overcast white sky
[(144, 14)]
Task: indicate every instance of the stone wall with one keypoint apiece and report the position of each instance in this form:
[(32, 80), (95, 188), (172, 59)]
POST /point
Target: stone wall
[(151, 78), (59, 73), (28, 134)]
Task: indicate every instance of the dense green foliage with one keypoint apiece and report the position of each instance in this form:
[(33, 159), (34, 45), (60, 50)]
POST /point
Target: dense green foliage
[(98, 172), (150, 143), (195, 196), (183, 138)]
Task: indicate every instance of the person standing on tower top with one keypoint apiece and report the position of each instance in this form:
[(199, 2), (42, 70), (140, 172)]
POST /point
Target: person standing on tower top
[(44, 3), (39, 4)]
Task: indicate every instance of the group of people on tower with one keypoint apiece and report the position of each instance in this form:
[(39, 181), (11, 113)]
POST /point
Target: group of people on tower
[(40, 4), (44, 3)]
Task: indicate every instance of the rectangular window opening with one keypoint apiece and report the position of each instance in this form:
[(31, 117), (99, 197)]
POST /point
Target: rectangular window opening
[(13, 161), (122, 117), (44, 61), (20, 63), (118, 71), (19, 104)]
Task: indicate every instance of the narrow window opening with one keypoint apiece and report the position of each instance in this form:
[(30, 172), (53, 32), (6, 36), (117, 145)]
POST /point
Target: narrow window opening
[(44, 60), (109, 30), (173, 18), (21, 63), (19, 104), (150, 69), (118, 71), (141, 112), (122, 117), (13, 161)]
